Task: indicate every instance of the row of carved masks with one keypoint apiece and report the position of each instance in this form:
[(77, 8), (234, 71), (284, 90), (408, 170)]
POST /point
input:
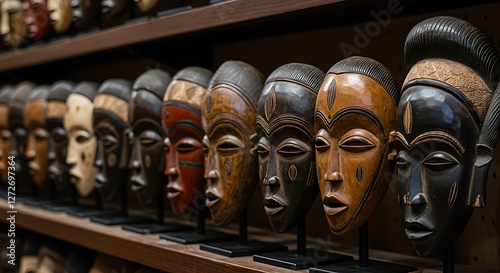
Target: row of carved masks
[(34, 19)]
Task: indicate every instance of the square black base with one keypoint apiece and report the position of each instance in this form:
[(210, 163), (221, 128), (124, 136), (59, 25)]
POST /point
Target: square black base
[(83, 212), (118, 218), (36, 202), (3, 193), (374, 267), (235, 249), (290, 259), (186, 237), (153, 228), (57, 207)]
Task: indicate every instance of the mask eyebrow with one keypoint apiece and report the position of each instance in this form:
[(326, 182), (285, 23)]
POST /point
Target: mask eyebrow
[(323, 120), (281, 121), (439, 136)]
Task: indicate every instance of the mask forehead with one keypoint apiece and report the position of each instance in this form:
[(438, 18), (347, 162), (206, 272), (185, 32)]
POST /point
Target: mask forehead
[(34, 113), (352, 90), (145, 106), (449, 116), (55, 109), (4, 110), (225, 100), (286, 104), (79, 113), (112, 104)]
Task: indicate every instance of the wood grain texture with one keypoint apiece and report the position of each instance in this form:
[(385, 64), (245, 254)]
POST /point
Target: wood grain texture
[(172, 257)]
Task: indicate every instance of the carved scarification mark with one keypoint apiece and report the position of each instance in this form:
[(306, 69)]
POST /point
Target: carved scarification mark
[(399, 200), (208, 103), (261, 171), (359, 173), (453, 194), (407, 119), (431, 136), (270, 104), (332, 92), (318, 170), (227, 168), (147, 161), (190, 92), (292, 172), (479, 203), (111, 160)]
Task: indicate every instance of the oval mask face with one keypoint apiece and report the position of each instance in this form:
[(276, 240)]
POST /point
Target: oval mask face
[(81, 143), (230, 167), (61, 14), (147, 162), (434, 166), (37, 19), (37, 149), (286, 152), (353, 119)]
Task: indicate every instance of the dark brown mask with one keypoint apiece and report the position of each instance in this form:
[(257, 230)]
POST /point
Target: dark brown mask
[(147, 161), (438, 124), (286, 143)]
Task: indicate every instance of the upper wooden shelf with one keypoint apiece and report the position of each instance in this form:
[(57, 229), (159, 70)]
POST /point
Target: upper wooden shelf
[(224, 13)]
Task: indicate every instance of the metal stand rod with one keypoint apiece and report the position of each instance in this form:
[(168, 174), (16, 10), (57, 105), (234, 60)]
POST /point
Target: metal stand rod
[(363, 246)]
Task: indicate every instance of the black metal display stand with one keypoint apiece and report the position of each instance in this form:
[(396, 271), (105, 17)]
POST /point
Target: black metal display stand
[(242, 247), (87, 211), (364, 264), (62, 205), (198, 236), (119, 217), (159, 225), (301, 258)]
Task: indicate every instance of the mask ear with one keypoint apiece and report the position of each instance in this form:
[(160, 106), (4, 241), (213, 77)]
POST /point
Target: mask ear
[(488, 139)]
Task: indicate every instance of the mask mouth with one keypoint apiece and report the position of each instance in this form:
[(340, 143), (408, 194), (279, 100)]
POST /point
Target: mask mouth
[(333, 205), (416, 230), (33, 168), (137, 184), (212, 198), (173, 191), (272, 206), (100, 180), (74, 179)]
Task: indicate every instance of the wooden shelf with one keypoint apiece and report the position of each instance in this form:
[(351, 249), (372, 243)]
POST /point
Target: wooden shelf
[(225, 14), (151, 251)]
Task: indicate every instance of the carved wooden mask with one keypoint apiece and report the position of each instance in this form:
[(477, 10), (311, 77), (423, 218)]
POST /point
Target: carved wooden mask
[(181, 117), (85, 13), (13, 23), (18, 131), (438, 123), (5, 135), (81, 139), (56, 107), (61, 15), (37, 19), (286, 143), (114, 9), (112, 130), (229, 118), (353, 119), (37, 148), (146, 5), (147, 161)]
